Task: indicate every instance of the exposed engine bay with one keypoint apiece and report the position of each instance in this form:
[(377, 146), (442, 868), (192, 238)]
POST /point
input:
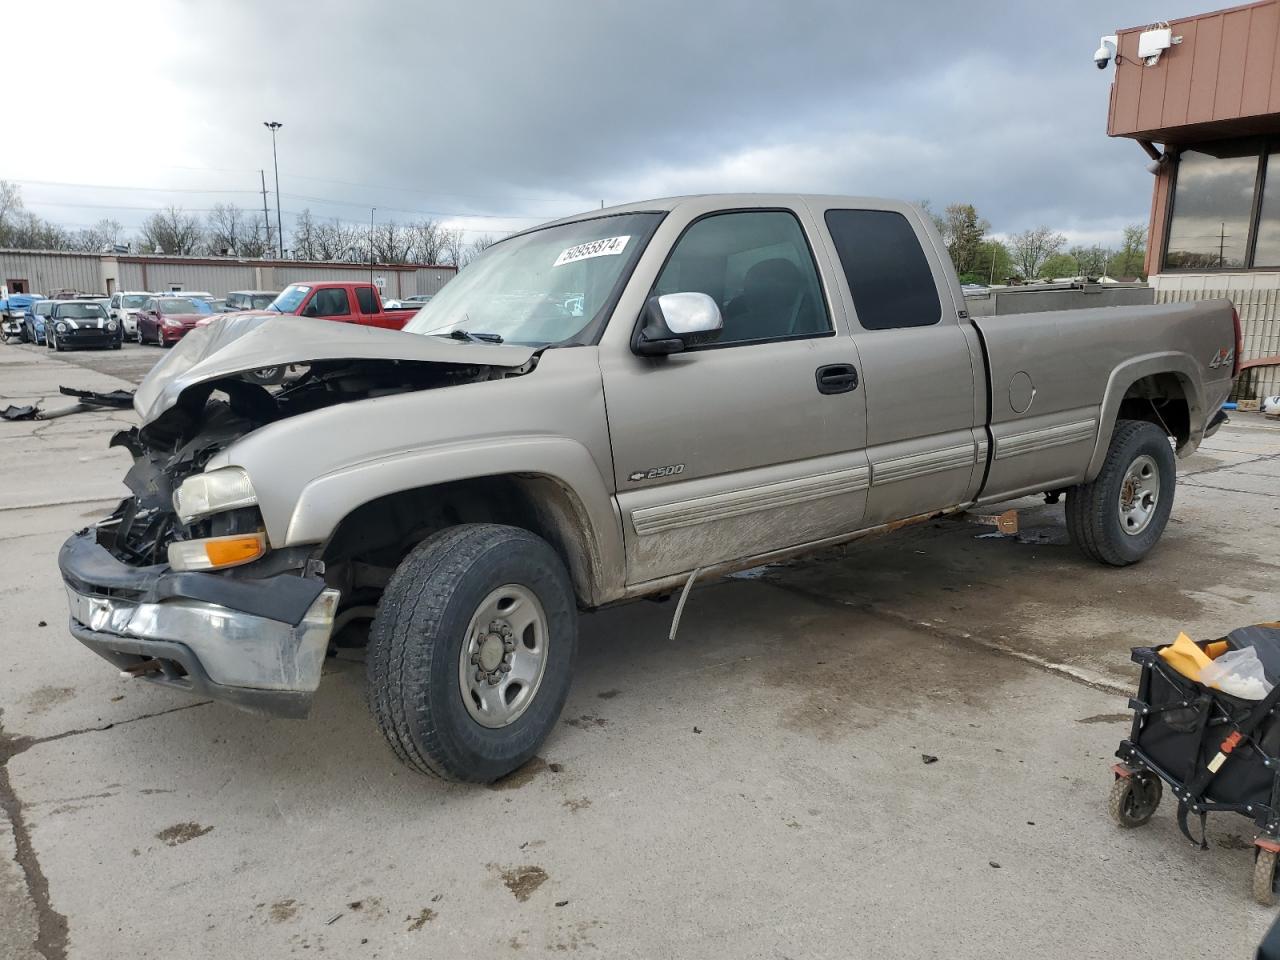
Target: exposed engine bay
[(210, 416)]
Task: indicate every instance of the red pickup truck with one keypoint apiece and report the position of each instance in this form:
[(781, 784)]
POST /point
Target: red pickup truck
[(341, 301)]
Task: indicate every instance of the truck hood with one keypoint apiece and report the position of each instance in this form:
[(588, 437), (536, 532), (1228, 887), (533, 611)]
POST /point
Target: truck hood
[(239, 343)]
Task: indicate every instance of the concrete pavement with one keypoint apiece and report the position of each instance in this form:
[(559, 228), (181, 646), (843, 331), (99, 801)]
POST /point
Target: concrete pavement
[(755, 788)]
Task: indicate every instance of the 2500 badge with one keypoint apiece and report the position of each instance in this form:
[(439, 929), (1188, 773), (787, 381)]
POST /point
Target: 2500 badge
[(657, 473)]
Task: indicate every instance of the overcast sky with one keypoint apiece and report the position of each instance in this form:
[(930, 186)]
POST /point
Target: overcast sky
[(497, 115)]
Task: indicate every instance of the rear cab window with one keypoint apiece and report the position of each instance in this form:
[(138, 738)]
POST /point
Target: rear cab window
[(368, 302), (889, 276)]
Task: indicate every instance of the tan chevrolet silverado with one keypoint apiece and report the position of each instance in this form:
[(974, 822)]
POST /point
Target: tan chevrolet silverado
[(603, 408)]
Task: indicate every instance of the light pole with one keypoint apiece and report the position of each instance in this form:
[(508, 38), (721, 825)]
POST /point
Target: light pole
[(273, 126), (372, 211)]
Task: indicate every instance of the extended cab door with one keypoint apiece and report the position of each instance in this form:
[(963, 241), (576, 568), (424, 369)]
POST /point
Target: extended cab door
[(370, 306), (751, 443), (924, 385)]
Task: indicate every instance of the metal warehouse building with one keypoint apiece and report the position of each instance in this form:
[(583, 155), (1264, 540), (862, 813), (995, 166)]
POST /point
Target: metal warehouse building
[(48, 271)]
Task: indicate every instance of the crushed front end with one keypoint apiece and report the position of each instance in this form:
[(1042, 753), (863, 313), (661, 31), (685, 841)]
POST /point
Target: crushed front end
[(178, 585)]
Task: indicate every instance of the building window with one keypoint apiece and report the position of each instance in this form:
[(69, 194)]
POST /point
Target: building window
[(1213, 201), (1266, 249)]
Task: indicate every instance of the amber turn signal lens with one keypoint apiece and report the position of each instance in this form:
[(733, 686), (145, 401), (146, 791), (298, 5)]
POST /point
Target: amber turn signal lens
[(216, 552), (225, 552)]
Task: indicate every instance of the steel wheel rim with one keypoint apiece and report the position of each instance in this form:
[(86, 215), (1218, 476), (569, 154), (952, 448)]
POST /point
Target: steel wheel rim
[(503, 656), (1139, 495)]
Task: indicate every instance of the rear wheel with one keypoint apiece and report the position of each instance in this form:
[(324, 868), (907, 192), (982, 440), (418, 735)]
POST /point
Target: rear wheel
[(472, 650), (1118, 517), (1264, 876)]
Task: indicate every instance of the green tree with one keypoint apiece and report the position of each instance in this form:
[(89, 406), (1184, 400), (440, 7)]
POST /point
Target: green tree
[(963, 232), (1059, 266), (991, 264), (1129, 259)]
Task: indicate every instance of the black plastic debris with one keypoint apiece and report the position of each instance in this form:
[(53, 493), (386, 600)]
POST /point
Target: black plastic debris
[(115, 398), (27, 412), (928, 758)]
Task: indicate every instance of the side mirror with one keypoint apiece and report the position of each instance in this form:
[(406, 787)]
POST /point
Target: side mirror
[(674, 321)]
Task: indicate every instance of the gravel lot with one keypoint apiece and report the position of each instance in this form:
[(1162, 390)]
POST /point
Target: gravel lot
[(756, 788)]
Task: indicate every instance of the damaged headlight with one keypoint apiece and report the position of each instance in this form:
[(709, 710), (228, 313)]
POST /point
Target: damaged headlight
[(213, 492)]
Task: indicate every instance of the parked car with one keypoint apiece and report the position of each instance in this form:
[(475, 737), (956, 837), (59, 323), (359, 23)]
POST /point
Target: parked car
[(249, 299), (37, 322), (219, 304), (125, 306), (81, 323), (749, 378), (15, 312), (165, 320), (419, 298)]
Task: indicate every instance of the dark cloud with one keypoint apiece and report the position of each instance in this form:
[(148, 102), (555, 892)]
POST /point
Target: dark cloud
[(535, 110)]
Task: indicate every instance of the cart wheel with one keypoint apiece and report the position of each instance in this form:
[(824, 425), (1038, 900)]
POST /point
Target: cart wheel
[(1134, 799), (1264, 877)]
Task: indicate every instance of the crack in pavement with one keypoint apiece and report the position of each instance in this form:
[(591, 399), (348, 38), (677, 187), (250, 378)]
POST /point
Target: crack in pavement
[(51, 926), (1087, 678)]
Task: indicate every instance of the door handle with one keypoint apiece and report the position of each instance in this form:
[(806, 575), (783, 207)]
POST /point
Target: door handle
[(837, 378)]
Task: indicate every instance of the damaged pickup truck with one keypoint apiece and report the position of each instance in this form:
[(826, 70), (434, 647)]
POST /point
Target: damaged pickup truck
[(605, 408)]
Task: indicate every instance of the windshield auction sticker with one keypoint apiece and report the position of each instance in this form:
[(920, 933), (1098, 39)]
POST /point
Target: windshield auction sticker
[(608, 247)]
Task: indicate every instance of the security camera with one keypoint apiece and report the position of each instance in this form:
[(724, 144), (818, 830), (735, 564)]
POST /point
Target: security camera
[(1106, 50)]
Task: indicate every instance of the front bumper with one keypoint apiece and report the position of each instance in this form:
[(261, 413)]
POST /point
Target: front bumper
[(90, 337), (259, 644)]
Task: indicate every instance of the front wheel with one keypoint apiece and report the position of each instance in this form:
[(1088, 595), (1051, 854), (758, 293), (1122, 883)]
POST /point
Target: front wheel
[(1118, 517), (472, 651), (1134, 799)]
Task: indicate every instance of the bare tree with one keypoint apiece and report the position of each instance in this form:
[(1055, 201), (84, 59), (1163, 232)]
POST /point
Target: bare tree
[(1090, 261), (340, 241), (1031, 248), (304, 236), (393, 243), (32, 233), (226, 229), (103, 235), (428, 241), (476, 247), (255, 240), (452, 248), (10, 209), (172, 231)]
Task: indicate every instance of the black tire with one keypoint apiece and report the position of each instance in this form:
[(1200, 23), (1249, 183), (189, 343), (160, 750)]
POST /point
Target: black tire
[(58, 345), (266, 376), (1134, 799), (1093, 509), (415, 649), (1264, 876)]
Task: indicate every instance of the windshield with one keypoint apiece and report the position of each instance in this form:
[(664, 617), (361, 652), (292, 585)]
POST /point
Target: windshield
[(290, 298), (184, 306), (262, 300), (81, 311), (541, 287), (43, 309), (132, 303)]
